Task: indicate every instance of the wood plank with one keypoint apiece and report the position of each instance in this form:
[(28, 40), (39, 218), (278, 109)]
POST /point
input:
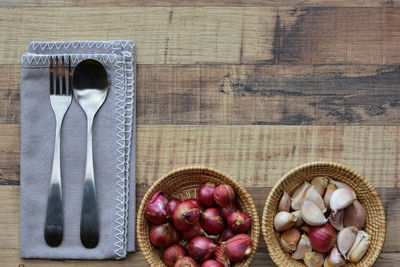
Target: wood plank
[(191, 35), (10, 258), (185, 3), (9, 155), (254, 155), (251, 94), (9, 221), (9, 93)]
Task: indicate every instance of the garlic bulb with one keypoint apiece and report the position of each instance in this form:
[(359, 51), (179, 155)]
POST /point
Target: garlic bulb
[(340, 184), (290, 238), (360, 250), (320, 184), (312, 214), (298, 195), (357, 252), (334, 259), (284, 220), (313, 195), (345, 239), (284, 204), (341, 198), (328, 193), (355, 215), (299, 221), (303, 247), (336, 219)]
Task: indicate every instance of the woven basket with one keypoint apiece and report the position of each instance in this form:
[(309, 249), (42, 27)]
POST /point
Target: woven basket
[(366, 194), (184, 183)]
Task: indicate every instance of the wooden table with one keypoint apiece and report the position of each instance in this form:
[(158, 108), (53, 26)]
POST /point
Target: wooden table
[(251, 89)]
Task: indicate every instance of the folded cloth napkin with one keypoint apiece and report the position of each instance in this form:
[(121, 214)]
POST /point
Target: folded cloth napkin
[(113, 152)]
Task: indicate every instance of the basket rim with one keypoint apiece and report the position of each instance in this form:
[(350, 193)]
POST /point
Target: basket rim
[(302, 167), (140, 213)]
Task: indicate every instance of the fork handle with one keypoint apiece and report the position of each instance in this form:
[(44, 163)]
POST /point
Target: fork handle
[(53, 228), (89, 214)]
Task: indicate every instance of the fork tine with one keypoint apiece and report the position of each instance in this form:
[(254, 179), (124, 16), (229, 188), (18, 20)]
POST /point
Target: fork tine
[(51, 77), (64, 87), (57, 78), (69, 76)]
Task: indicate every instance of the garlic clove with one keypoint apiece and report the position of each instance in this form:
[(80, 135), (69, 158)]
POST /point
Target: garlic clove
[(313, 195), (328, 193), (340, 184), (284, 220), (289, 239), (313, 259), (341, 198), (345, 239), (336, 219), (360, 235), (299, 221), (320, 184), (284, 204), (298, 195), (360, 250), (355, 215), (303, 247), (334, 259), (312, 214)]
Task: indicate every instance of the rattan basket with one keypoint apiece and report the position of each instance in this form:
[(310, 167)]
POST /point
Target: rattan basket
[(184, 183), (366, 194)]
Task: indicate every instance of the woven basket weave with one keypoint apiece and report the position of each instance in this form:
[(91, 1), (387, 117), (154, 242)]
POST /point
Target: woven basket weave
[(184, 183), (366, 194)]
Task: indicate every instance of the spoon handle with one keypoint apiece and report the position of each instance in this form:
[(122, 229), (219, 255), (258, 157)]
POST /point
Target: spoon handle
[(89, 215)]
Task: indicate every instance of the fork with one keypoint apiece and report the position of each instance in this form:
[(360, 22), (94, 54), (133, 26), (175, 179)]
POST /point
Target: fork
[(60, 100)]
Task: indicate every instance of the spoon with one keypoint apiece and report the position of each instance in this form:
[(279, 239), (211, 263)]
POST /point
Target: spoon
[(90, 86)]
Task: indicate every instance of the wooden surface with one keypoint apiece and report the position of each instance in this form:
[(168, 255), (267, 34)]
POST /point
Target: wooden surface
[(252, 88)]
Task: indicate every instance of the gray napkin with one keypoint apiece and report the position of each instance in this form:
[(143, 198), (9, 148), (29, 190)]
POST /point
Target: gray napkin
[(113, 151)]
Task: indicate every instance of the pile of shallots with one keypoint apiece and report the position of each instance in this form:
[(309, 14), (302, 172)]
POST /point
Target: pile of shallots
[(210, 230), (321, 224)]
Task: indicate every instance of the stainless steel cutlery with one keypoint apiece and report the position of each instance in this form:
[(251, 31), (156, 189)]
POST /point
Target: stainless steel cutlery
[(60, 100), (90, 87)]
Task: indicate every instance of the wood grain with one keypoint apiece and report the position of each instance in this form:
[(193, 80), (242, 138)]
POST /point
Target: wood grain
[(9, 155), (191, 35), (186, 3), (255, 155), (9, 221), (268, 94), (217, 81), (10, 258), (251, 94)]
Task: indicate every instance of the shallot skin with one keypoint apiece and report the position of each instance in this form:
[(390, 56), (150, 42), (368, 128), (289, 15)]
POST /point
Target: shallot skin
[(238, 247), (322, 237), (186, 262), (186, 215), (172, 204), (239, 222), (212, 221), (172, 254), (157, 208), (162, 235), (201, 248), (211, 263), (224, 195), (206, 194)]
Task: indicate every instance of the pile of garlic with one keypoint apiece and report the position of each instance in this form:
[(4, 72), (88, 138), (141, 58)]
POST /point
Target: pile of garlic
[(321, 224)]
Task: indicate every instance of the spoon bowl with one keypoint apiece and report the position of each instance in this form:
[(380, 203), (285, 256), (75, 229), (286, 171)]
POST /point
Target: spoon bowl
[(90, 86)]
